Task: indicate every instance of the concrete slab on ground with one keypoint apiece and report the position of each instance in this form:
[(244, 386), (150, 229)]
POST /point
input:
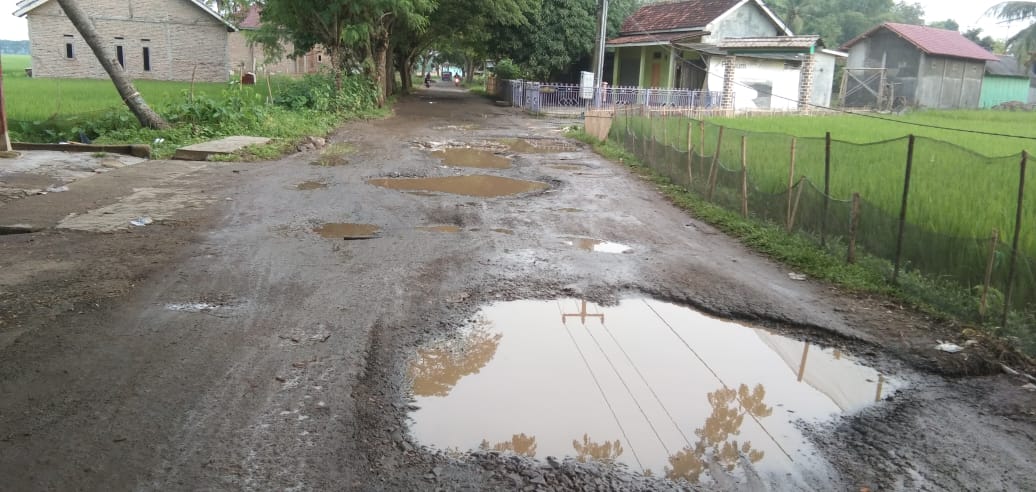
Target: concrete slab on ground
[(34, 172), (229, 145)]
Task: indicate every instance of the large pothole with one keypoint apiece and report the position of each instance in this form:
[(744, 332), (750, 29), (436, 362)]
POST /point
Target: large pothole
[(658, 387), (479, 185)]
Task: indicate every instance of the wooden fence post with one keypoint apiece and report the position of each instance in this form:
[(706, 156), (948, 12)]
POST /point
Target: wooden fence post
[(744, 175), (795, 205), (5, 139), (827, 188), (903, 209), (1014, 242), (791, 181), (854, 226), (993, 242), (690, 154), (713, 171)]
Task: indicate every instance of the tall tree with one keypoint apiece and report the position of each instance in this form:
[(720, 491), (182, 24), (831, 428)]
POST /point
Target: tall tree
[(1023, 43), (147, 117)]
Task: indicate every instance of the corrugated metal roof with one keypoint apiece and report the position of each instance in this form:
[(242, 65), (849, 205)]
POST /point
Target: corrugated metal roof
[(1006, 66), (931, 40), (771, 42), (676, 15)]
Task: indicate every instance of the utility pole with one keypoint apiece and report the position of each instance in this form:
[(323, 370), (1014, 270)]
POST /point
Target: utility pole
[(602, 33), (5, 139)]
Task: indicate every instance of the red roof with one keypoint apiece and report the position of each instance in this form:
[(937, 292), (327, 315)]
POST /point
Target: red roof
[(676, 15), (932, 41), (662, 38)]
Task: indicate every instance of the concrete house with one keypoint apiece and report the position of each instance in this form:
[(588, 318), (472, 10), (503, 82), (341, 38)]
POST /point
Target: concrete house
[(1005, 80), (248, 56), (922, 66), (152, 39), (689, 45)]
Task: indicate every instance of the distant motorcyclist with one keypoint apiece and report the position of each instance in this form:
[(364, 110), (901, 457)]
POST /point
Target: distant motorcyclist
[(427, 79)]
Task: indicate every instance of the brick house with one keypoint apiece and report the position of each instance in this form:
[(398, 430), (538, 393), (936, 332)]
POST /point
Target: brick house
[(739, 47), (152, 39), (248, 56)]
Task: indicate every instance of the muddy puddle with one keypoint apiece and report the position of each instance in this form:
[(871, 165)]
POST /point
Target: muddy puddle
[(539, 146), (477, 158), (567, 167), (310, 185), (480, 185), (656, 386), (347, 231), (597, 245), (441, 228), (503, 231)]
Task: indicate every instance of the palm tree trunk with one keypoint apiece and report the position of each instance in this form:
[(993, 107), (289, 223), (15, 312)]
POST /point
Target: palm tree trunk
[(147, 117)]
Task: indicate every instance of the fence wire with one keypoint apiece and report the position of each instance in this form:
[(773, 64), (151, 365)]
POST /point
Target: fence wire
[(957, 201)]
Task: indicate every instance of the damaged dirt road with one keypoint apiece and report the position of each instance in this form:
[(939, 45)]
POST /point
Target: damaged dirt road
[(274, 329)]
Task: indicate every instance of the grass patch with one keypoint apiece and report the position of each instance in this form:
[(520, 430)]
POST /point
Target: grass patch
[(937, 297), (334, 155)]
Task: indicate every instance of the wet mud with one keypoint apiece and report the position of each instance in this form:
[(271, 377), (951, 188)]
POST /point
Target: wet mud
[(443, 228), (598, 245), (539, 146), (474, 158), (484, 186), (347, 231), (310, 185)]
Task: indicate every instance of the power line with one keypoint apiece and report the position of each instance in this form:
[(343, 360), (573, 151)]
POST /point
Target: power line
[(838, 110), (601, 390)]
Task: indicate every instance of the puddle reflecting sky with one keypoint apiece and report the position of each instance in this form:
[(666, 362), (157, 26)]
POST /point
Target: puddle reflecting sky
[(657, 386), (597, 245)]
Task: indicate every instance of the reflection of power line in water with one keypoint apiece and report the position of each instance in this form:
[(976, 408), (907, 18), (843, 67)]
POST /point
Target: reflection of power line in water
[(601, 390), (646, 383), (623, 381), (715, 375)]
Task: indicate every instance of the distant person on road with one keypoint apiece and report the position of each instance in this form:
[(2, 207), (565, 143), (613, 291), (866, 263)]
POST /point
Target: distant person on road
[(428, 79)]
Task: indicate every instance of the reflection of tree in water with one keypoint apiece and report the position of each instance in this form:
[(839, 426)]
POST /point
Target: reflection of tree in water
[(519, 444), (714, 438), (588, 450), (438, 368)]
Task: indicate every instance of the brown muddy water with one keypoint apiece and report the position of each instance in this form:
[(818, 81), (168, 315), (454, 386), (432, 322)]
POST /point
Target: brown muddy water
[(347, 231), (597, 245), (310, 185), (656, 386), (480, 185), (477, 158)]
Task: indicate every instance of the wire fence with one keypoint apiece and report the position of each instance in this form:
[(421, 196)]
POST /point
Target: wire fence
[(543, 97), (945, 224)]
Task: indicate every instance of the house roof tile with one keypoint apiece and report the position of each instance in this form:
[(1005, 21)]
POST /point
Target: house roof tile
[(932, 41), (676, 15), (651, 39), (26, 6)]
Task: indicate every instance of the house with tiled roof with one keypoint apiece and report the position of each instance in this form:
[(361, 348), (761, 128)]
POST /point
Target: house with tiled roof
[(160, 40), (247, 55), (698, 44), (921, 66)]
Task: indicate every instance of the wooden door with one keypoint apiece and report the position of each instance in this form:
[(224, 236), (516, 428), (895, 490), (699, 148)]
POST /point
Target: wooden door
[(656, 74)]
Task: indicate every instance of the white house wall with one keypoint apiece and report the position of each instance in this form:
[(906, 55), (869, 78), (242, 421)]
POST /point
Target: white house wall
[(745, 21), (823, 79), (761, 84)]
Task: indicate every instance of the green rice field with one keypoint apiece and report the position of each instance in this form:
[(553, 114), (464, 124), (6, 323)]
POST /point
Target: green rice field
[(37, 99)]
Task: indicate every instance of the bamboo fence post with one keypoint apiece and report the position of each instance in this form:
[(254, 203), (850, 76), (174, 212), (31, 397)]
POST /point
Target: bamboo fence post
[(701, 130), (1014, 242), (854, 226), (791, 181), (827, 188), (5, 139), (713, 171), (744, 175), (903, 209), (993, 242), (795, 206), (690, 154)]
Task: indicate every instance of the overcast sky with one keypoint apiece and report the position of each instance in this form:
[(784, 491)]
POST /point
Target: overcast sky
[(967, 13)]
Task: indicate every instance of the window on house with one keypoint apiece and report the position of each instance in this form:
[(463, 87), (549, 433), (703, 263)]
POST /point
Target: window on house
[(69, 50), (121, 56), (147, 59)]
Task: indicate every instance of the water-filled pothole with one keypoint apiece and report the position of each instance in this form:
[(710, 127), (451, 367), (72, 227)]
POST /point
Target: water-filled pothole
[(461, 157), (539, 146), (480, 185), (656, 386), (597, 245), (310, 185), (348, 231), (441, 228)]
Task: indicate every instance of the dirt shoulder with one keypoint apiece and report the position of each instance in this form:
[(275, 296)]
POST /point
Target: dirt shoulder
[(227, 346)]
